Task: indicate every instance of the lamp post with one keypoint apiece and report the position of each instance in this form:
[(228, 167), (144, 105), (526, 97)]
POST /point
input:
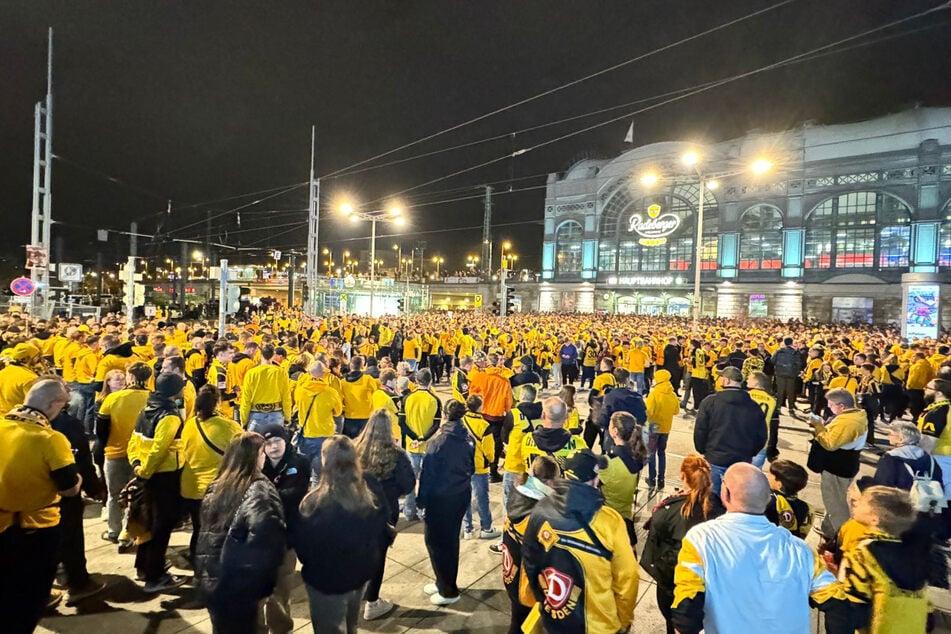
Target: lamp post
[(502, 278), (394, 213), (399, 259), (438, 261)]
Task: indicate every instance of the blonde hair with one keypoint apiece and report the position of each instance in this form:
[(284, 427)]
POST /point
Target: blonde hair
[(893, 508)]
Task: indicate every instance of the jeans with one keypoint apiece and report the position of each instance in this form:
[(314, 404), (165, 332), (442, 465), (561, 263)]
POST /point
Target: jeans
[(587, 374), (686, 396), (638, 378), (480, 491), (760, 459), (413, 364), (334, 613), (88, 411), (656, 454), (716, 478), (311, 447), (257, 420), (409, 504), (118, 472), (72, 546), (510, 481)]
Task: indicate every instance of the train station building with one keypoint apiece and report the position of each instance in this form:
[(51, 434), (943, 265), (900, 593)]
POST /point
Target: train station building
[(844, 222)]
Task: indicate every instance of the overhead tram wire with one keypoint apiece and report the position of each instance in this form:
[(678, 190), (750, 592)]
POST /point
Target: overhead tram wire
[(574, 82), (704, 88), (506, 135)]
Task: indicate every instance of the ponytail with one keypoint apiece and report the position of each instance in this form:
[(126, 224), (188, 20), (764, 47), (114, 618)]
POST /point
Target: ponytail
[(695, 472)]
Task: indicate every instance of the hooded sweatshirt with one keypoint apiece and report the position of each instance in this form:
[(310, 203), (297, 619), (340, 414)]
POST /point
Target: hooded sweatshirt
[(555, 442), (496, 391), (357, 390), (662, 403), (317, 405), (117, 358)]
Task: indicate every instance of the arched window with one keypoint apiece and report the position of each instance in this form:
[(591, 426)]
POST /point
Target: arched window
[(858, 230), (761, 237), (568, 247), (944, 243), (621, 250)]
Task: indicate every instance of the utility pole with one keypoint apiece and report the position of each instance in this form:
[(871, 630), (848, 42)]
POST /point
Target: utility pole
[(222, 298), (133, 239), (486, 235), (42, 220), (290, 278), (183, 278), (313, 226)]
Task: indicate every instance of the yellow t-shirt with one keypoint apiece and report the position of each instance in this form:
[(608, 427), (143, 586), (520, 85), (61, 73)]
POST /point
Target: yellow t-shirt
[(123, 409), (29, 451), (201, 462)]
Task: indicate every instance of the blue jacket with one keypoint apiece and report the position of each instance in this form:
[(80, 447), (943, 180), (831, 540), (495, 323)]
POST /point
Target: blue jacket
[(620, 400), (568, 353), (448, 465)]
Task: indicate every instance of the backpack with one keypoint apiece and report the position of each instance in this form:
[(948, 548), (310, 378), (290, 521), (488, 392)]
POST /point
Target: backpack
[(927, 495)]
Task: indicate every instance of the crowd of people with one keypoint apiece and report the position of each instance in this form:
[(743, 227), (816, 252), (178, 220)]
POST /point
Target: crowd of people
[(289, 439)]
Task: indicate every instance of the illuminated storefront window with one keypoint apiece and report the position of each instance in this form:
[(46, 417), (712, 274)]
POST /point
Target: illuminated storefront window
[(568, 247), (944, 243), (848, 231), (761, 236)]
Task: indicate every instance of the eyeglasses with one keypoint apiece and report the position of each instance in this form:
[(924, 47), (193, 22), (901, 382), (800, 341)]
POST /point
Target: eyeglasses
[(930, 387)]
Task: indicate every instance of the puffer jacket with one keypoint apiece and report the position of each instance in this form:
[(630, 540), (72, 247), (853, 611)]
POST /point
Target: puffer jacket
[(665, 533), (239, 561)]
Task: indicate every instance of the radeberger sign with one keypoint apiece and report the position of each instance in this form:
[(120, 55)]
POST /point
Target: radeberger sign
[(654, 229)]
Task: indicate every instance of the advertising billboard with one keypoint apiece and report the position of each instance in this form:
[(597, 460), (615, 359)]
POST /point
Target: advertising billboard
[(921, 314)]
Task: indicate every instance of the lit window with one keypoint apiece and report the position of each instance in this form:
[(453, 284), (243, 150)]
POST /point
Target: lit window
[(761, 235), (568, 247)]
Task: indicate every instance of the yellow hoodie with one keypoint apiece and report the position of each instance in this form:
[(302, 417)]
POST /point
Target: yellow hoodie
[(317, 404), (662, 403)]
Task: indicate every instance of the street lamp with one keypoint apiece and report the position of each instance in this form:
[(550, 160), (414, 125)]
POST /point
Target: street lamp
[(393, 214), (692, 160), (438, 261), (399, 259)]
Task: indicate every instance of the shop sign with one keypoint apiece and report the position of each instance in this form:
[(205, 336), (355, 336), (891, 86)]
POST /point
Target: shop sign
[(654, 229), (646, 280)]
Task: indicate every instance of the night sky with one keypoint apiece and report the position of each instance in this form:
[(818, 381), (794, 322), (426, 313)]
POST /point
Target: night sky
[(201, 101)]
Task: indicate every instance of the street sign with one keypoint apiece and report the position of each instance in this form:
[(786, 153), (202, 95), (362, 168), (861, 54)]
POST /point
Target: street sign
[(70, 273), (22, 286)]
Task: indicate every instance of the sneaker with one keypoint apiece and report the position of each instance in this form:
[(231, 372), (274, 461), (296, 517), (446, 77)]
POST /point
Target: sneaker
[(85, 591), (660, 484), (431, 588), (651, 484), (496, 549), (166, 582), (55, 597), (489, 534), (438, 599), (126, 546), (495, 478), (468, 534), (377, 609), (109, 537)]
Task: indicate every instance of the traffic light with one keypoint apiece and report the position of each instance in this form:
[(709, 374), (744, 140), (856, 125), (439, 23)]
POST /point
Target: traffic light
[(509, 306), (496, 308), (400, 305)]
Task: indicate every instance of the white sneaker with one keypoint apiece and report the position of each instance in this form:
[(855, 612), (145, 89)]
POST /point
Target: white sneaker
[(431, 588), (377, 609), (438, 599), (489, 534), (468, 534)]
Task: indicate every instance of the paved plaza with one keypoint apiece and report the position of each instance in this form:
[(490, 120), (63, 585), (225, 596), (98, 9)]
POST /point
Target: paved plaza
[(484, 607)]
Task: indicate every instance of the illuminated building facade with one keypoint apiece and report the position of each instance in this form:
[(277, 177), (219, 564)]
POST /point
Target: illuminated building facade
[(847, 218)]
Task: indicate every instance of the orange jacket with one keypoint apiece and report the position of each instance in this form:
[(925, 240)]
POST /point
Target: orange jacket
[(495, 390)]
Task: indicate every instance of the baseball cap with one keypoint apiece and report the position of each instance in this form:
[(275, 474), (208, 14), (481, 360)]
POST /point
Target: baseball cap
[(274, 430), (583, 465), (169, 385)]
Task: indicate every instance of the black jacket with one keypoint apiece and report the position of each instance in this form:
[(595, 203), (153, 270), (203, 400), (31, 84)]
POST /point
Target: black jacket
[(72, 428), (239, 561), (672, 359), (621, 399), (730, 428), (736, 359), (449, 464), (787, 362), (399, 482), (525, 378), (291, 477), (666, 530), (339, 550)]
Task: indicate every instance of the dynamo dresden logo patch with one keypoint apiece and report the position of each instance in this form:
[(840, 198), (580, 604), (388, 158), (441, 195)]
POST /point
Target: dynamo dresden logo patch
[(561, 593)]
